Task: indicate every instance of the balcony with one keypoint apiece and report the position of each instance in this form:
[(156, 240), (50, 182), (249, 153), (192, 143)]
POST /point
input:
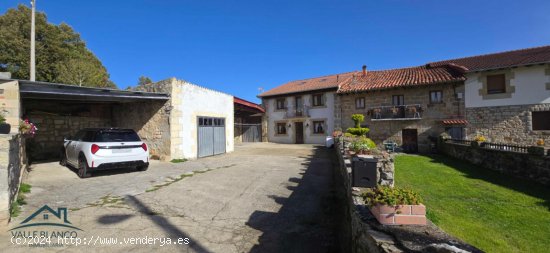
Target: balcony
[(299, 112), (397, 112)]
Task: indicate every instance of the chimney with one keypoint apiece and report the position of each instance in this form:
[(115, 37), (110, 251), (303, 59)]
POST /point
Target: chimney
[(364, 70)]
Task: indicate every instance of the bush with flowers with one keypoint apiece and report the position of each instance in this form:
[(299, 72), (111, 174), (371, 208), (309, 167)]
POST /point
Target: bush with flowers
[(27, 128)]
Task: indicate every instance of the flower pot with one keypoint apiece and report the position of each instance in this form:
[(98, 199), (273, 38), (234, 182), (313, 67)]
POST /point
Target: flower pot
[(5, 128), (400, 215)]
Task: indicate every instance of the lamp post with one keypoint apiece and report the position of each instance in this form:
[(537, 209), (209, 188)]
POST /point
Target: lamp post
[(33, 61)]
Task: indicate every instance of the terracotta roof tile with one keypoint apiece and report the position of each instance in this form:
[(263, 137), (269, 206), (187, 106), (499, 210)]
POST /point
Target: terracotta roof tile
[(317, 83), (405, 77), (501, 60), (249, 104), (455, 122)]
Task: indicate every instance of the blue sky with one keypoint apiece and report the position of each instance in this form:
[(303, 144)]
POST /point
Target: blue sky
[(240, 46)]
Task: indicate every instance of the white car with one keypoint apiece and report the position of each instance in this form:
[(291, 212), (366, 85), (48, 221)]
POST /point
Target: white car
[(94, 149)]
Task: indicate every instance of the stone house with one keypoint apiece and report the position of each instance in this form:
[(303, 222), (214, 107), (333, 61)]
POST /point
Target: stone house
[(409, 106), (301, 111), (507, 95), (503, 96)]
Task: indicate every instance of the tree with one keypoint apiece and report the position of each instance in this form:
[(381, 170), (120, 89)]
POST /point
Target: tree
[(144, 80), (61, 55)]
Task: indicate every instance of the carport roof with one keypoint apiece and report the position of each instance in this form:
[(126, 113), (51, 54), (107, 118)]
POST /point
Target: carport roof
[(44, 90)]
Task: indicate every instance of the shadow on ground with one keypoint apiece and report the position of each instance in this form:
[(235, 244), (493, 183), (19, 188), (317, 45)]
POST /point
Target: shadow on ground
[(531, 188), (174, 232), (309, 218)]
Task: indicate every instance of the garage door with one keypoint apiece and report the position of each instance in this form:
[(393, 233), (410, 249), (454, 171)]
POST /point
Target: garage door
[(211, 136)]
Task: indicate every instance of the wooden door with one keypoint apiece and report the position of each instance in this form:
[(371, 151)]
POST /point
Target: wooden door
[(299, 128), (410, 140)]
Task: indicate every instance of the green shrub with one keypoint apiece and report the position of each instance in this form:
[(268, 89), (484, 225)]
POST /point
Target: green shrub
[(536, 150), (385, 195), (362, 143), (358, 119), (361, 131), (178, 160), (2, 119)]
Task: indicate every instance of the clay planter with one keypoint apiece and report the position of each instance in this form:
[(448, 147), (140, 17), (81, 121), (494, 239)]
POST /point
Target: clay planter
[(400, 215)]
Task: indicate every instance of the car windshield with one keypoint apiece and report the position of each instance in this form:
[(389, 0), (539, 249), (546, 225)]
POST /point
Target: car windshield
[(115, 136)]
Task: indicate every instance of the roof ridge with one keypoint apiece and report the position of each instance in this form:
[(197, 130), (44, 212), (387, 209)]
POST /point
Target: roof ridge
[(319, 77), (489, 54)]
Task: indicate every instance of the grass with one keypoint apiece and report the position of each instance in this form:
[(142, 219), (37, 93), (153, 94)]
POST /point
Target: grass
[(492, 211), (171, 181), (178, 160), (15, 208)]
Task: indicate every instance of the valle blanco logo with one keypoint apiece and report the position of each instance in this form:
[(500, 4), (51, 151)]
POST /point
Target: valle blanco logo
[(46, 223)]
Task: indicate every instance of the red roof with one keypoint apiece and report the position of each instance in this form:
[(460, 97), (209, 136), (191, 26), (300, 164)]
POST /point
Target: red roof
[(506, 59), (405, 77), (431, 73), (249, 104), (455, 122), (317, 83)]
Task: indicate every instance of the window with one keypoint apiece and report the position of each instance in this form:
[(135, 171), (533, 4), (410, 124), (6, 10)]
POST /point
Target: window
[(359, 103), (318, 127), (456, 133), (318, 100), (281, 128), (280, 104), (541, 120), (436, 97), (496, 84), (398, 100)]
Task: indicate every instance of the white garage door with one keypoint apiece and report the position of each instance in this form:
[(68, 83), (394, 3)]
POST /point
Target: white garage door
[(211, 136)]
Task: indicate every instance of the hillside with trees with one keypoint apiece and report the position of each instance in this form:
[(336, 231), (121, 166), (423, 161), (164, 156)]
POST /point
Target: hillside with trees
[(61, 55)]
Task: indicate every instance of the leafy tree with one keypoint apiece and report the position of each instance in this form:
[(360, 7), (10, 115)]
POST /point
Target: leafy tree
[(61, 55), (144, 80)]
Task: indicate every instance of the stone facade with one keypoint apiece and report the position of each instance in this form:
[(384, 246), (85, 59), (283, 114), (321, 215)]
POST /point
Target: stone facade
[(12, 165), (522, 165), (56, 121), (506, 124), (151, 121), (432, 114)]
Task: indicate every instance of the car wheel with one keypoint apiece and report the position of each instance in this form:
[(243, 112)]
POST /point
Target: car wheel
[(83, 168), (143, 168), (63, 158)]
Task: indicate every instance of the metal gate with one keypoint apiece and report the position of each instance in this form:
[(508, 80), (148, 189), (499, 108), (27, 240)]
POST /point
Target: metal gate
[(211, 136), (251, 132)]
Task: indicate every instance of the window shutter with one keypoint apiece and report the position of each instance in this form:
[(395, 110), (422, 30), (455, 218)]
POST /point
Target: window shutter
[(324, 99), (286, 103)]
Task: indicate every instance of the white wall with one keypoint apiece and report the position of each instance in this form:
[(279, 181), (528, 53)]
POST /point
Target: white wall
[(325, 113), (530, 88), (190, 101)]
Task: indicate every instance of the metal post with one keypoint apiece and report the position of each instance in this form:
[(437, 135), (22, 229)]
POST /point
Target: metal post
[(33, 61)]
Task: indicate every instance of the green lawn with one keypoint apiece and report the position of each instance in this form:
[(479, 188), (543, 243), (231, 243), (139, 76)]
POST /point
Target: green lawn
[(494, 212)]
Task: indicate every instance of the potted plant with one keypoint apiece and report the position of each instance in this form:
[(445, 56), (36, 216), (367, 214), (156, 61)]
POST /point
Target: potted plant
[(395, 206), (4, 127), (362, 146), (540, 142), (480, 139)]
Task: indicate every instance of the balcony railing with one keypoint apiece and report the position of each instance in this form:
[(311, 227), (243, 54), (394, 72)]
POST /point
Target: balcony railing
[(299, 112), (396, 112)]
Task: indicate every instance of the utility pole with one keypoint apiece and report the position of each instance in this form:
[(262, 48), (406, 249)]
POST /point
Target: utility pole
[(33, 60)]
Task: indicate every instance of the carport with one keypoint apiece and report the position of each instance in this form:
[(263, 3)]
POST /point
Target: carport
[(61, 110), (248, 121)]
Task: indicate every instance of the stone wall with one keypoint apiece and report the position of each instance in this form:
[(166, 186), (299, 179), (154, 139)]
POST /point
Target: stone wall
[(522, 165), (363, 233), (151, 120), (12, 165), (506, 124), (56, 120), (432, 114)]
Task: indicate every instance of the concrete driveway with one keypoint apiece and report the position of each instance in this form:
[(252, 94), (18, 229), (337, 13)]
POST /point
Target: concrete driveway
[(263, 197)]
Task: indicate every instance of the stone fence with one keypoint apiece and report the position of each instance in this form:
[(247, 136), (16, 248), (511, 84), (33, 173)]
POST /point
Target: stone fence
[(533, 165), (12, 164), (363, 233)]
